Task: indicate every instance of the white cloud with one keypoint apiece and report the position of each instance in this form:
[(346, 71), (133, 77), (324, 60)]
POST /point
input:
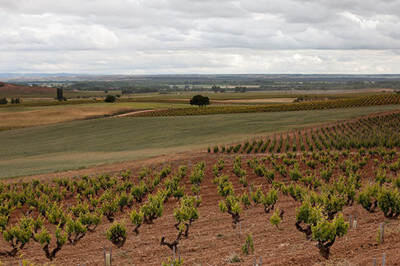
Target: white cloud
[(200, 36)]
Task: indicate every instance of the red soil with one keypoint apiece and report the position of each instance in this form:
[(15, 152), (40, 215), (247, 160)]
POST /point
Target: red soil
[(212, 241)]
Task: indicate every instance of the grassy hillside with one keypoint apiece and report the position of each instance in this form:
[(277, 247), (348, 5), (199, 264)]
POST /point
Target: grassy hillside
[(78, 144)]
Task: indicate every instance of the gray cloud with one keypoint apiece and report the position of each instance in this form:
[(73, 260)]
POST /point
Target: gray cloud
[(200, 36)]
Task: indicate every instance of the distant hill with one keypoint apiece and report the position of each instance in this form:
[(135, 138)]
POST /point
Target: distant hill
[(14, 90)]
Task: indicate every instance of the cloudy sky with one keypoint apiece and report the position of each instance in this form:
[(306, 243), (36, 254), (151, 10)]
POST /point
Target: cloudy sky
[(200, 36)]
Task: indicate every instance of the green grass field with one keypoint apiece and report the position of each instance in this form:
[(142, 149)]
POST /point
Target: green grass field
[(80, 144)]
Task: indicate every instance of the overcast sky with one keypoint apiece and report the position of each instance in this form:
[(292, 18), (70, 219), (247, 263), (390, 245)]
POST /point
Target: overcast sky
[(200, 36)]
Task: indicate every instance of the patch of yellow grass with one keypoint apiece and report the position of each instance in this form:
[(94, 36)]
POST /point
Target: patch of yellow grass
[(57, 114)]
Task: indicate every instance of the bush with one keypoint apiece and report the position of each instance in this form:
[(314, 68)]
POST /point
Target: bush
[(389, 202), (368, 198), (44, 239), (15, 100), (75, 230), (186, 213), (117, 234), (3, 100), (136, 219), (110, 98), (90, 221), (248, 246), (295, 174), (173, 262), (232, 206), (200, 100), (18, 236), (268, 200), (153, 208), (276, 218), (325, 232), (139, 191), (308, 215)]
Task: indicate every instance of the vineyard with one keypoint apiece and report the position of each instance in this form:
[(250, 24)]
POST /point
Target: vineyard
[(365, 133), (326, 189), (306, 105)]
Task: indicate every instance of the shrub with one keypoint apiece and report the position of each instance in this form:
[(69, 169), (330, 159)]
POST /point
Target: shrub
[(308, 215), (153, 208), (243, 180), (326, 174), (139, 191), (268, 200), (44, 238), (125, 200), (332, 204), (232, 206), (117, 234), (224, 187), (136, 219), (3, 100), (295, 174), (90, 221), (325, 232), (173, 262), (248, 246), (75, 230), (18, 236), (368, 198), (245, 199), (110, 98), (15, 100), (186, 213), (55, 215), (276, 218), (197, 175), (389, 202), (109, 208), (200, 100)]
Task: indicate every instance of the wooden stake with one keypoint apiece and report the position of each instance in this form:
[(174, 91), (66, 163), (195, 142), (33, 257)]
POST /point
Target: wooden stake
[(374, 261), (107, 257), (350, 220), (382, 233), (383, 259), (355, 224)]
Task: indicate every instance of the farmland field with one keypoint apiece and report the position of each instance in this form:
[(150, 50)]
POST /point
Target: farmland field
[(292, 179), (78, 144), (20, 117), (323, 205)]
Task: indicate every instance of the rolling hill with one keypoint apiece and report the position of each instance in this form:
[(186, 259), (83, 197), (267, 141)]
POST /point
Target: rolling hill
[(14, 90)]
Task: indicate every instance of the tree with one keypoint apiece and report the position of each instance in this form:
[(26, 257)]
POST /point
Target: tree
[(200, 100), (110, 99), (240, 89), (3, 100), (15, 101), (60, 94)]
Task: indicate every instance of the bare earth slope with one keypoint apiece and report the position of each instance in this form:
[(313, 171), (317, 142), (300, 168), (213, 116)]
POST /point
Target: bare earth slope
[(13, 90)]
